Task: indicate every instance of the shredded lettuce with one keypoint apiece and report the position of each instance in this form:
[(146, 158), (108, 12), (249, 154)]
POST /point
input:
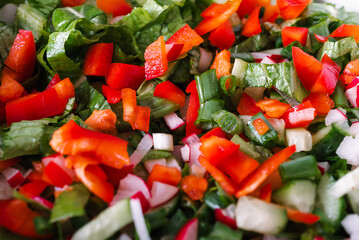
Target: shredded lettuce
[(7, 36)]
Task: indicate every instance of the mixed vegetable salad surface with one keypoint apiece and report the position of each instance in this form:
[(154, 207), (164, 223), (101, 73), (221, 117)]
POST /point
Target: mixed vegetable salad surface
[(179, 119)]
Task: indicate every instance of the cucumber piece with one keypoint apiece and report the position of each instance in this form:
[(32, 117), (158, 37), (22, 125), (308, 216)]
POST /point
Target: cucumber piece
[(353, 199), (239, 71), (326, 141), (333, 208), (246, 147), (255, 215), (300, 137), (297, 194)]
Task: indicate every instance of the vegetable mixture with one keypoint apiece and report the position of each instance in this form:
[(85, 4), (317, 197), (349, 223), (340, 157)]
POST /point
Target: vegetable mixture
[(179, 119)]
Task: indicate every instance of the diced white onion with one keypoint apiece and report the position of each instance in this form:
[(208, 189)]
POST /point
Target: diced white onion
[(163, 141), (143, 147)]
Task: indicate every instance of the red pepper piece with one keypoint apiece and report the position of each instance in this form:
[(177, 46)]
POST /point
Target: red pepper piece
[(22, 55), (98, 59), (71, 139), (260, 126), (143, 118), (291, 34), (248, 6), (8, 163), (156, 59), (344, 30), (266, 193), (350, 72), (254, 180), (55, 79), (299, 116), (194, 187), (72, 3), (187, 36), (163, 174), (253, 25), (214, 132), (290, 9), (114, 7), (112, 95), (222, 63), (129, 103), (103, 121), (247, 105), (171, 92), (192, 110), (174, 50), (271, 12), (223, 37), (273, 107), (33, 189), (122, 75), (321, 102), (302, 217), (10, 89)]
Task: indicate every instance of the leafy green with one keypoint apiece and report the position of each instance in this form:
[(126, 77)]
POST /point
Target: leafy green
[(7, 36), (6, 234), (70, 203), (223, 232), (287, 51), (136, 20), (34, 204), (321, 29), (252, 44), (16, 2)]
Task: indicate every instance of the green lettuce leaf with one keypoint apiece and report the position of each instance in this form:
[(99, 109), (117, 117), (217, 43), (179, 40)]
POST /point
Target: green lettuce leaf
[(252, 44), (136, 20), (7, 36)]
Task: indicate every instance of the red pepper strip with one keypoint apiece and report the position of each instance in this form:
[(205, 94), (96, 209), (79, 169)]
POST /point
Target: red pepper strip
[(254, 180), (247, 105), (299, 116), (10, 89), (344, 30), (301, 217), (171, 92), (32, 189), (174, 50), (98, 59), (222, 63), (115, 175), (156, 59), (210, 23), (4, 164), (122, 75), (350, 72), (56, 176), (22, 55), (129, 102), (72, 3), (260, 126), (192, 111), (253, 25), (266, 192), (194, 187), (214, 132), (55, 79), (223, 37), (271, 12), (71, 139), (112, 95), (114, 7), (103, 121), (2, 113), (17, 217), (321, 102), (290, 9), (163, 174), (248, 6), (273, 107), (143, 118), (94, 178), (187, 36), (291, 34)]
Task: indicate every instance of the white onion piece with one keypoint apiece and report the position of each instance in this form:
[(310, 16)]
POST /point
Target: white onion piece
[(185, 153), (177, 152), (205, 60), (149, 164), (139, 220), (193, 138), (124, 236), (13, 176), (334, 116), (143, 147), (350, 223), (162, 141), (197, 170), (173, 121), (5, 189), (194, 153), (173, 163), (255, 92), (354, 129), (345, 184), (161, 193)]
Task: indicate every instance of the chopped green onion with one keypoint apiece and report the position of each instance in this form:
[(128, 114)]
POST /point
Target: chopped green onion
[(228, 121), (207, 86), (304, 167)]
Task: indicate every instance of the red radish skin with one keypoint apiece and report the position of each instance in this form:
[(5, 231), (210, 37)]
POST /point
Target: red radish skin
[(13, 176), (145, 205), (221, 217), (189, 231), (161, 193)]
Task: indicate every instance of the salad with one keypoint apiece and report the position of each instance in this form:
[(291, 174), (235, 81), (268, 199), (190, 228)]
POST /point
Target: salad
[(179, 119)]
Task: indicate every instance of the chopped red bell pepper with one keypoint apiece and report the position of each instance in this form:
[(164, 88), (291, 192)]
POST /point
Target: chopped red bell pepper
[(260, 126), (247, 6), (350, 72), (300, 116), (301, 217), (55, 79), (266, 192), (8, 163), (171, 92), (10, 89), (253, 25), (114, 7), (290, 9), (98, 59), (223, 37), (55, 172), (93, 177), (247, 105), (156, 59), (291, 34), (112, 95), (273, 107), (321, 102), (173, 50), (122, 75), (48, 103), (271, 12), (222, 63), (163, 174), (214, 132), (194, 186), (72, 3), (344, 30), (143, 118), (103, 121), (129, 102), (32, 189), (71, 139), (17, 217), (215, 20), (115, 175), (187, 36), (2, 113), (192, 110), (22, 55), (254, 180)]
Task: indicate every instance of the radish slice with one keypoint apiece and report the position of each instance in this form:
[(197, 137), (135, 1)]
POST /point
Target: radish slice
[(334, 116), (144, 202), (173, 163), (163, 141), (59, 160), (353, 96), (226, 216), (5, 189), (161, 193), (193, 138), (124, 236), (139, 220), (173, 121), (323, 167), (189, 231), (345, 184), (348, 148), (149, 164), (350, 223), (185, 152), (305, 115), (143, 147), (194, 154), (13, 176), (177, 152), (268, 60), (197, 170), (354, 129), (204, 60), (44, 202)]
